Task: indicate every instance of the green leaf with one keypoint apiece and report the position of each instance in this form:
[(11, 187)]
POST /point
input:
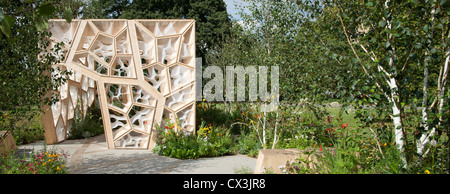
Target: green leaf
[(365, 88), (47, 10), (387, 44), (382, 23), (433, 50), (418, 45), (68, 14), (5, 25), (376, 96), (2, 16), (41, 23), (369, 4)]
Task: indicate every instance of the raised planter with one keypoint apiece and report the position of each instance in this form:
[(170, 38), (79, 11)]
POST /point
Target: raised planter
[(7, 142), (272, 159)]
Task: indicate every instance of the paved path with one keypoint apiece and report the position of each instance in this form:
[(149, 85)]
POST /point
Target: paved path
[(91, 156)]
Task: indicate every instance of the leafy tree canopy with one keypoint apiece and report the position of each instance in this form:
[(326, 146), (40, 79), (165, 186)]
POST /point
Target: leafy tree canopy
[(212, 20)]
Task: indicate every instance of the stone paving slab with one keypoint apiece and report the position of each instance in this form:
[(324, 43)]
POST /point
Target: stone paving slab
[(92, 156)]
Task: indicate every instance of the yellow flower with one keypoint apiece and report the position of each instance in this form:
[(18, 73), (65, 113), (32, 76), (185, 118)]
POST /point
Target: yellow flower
[(63, 166), (385, 144), (427, 172), (43, 164), (203, 100), (58, 168), (49, 160)]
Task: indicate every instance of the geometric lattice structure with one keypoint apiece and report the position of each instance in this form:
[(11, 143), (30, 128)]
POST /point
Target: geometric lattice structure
[(143, 72)]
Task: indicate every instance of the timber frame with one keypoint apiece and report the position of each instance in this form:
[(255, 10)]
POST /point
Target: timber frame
[(141, 71)]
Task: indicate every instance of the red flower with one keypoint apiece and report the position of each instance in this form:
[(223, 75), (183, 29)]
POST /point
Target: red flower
[(167, 127), (344, 125), (330, 129)]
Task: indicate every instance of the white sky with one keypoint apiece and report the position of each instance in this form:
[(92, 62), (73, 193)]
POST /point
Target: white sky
[(232, 9)]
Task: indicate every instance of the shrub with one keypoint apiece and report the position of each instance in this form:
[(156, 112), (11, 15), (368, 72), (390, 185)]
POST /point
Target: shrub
[(208, 142), (42, 162), (29, 128), (247, 143), (87, 126)]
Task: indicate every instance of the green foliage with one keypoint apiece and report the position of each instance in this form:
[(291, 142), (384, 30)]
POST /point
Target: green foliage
[(89, 125), (248, 144), (26, 74), (40, 11), (217, 114), (208, 142), (211, 17), (29, 128)]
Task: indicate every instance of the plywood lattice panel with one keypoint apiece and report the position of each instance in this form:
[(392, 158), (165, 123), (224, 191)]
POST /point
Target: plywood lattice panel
[(141, 70)]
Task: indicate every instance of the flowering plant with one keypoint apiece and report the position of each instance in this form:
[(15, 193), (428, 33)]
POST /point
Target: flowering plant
[(42, 162), (206, 142)]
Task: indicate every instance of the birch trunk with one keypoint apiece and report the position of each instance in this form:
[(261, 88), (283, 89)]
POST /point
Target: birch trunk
[(275, 139), (396, 117), (395, 98), (264, 127), (442, 82), (420, 145)]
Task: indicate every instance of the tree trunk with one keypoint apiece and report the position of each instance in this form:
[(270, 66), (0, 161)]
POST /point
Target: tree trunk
[(396, 117), (419, 143), (442, 82)]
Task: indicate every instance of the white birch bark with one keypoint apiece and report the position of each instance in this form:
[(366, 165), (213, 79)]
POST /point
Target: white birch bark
[(442, 82), (264, 127), (396, 117), (275, 139), (419, 143)]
